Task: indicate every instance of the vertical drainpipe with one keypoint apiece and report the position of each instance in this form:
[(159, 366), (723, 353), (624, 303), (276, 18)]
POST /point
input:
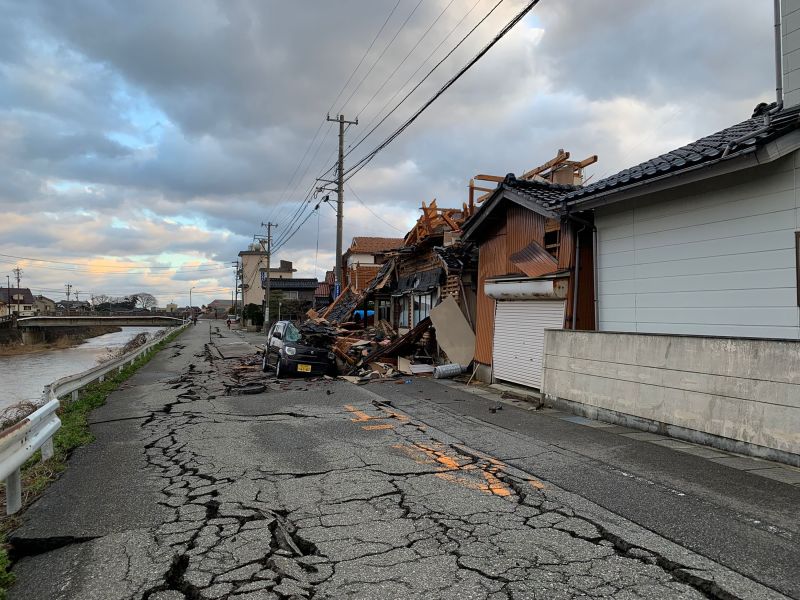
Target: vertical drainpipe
[(778, 56), (595, 265)]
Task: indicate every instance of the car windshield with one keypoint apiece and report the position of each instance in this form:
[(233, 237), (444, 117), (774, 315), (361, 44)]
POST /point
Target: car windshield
[(291, 333)]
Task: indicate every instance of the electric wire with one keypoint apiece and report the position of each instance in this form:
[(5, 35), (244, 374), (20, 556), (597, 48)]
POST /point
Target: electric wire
[(405, 58), (414, 74), (374, 214), (353, 170), (436, 66), (408, 18), (341, 91)]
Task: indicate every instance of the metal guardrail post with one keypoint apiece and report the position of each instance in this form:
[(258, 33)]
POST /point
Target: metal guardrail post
[(13, 492)]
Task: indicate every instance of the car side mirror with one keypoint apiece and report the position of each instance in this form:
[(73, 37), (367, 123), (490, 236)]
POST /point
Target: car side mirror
[(277, 335)]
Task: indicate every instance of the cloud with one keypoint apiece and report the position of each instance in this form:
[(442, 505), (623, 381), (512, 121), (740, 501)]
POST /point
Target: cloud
[(166, 134)]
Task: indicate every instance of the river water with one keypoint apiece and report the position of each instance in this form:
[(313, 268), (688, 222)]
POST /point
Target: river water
[(23, 377)]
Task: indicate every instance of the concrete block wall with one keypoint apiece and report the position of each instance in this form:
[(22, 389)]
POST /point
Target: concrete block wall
[(739, 394)]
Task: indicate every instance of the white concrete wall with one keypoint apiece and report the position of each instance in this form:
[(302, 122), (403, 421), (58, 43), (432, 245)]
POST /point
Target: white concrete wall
[(716, 258), (743, 390)]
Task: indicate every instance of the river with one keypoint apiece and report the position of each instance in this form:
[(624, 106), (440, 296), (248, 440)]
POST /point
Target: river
[(24, 376)]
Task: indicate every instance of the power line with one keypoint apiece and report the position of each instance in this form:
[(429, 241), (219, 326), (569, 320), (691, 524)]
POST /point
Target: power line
[(374, 214), (335, 100), (408, 18), (405, 58), (367, 158), (517, 18), (61, 262), (414, 74), (436, 66)]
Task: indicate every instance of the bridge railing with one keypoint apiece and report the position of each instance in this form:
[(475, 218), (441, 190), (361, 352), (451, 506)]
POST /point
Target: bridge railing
[(21, 441)]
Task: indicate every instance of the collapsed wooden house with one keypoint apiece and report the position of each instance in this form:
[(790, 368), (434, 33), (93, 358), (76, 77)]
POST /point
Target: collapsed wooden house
[(526, 279)]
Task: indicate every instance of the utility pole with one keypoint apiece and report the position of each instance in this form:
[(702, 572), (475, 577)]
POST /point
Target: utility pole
[(340, 200), (8, 293), (68, 287), (265, 302), (17, 274)]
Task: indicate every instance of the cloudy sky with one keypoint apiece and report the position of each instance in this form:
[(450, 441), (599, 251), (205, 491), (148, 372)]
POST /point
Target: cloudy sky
[(143, 143)]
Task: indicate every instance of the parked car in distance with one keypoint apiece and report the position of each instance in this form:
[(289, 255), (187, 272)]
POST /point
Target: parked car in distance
[(288, 355)]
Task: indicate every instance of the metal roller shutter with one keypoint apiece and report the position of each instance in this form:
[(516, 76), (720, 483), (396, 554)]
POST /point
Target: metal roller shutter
[(519, 338)]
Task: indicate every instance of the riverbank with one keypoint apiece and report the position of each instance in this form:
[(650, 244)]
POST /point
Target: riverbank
[(74, 433), (56, 339)]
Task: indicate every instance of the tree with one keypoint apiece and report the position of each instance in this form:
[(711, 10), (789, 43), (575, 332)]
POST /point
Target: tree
[(100, 299), (143, 300)]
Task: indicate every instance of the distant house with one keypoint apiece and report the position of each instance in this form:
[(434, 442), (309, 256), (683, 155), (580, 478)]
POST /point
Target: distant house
[(44, 306), (219, 308), (323, 295), (19, 301), (297, 294), (73, 307), (363, 259)]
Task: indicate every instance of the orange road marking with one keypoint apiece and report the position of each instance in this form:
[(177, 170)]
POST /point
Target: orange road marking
[(375, 427)]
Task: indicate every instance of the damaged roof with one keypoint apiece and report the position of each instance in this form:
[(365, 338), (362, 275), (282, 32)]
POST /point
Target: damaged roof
[(373, 245), (539, 196), (705, 151)]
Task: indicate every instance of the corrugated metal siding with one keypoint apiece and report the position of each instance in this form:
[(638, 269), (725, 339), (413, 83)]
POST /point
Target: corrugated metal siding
[(524, 227), (533, 260), (717, 261), (519, 338), (566, 250)]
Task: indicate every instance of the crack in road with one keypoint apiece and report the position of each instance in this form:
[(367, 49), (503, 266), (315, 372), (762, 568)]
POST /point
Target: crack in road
[(398, 511)]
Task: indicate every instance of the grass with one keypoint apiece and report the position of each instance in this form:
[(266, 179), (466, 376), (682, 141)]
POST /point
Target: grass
[(73, 433)]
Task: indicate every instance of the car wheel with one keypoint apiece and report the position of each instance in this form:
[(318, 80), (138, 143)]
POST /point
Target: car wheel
[(278, 369), (264, 363)]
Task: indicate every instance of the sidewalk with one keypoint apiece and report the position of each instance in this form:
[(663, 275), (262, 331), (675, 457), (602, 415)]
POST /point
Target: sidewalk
[(756, 466)]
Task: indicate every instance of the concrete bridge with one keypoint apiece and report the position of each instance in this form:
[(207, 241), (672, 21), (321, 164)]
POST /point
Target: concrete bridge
[(33, 328)]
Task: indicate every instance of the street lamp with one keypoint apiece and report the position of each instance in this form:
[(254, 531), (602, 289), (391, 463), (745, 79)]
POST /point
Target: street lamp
[(191, 309)]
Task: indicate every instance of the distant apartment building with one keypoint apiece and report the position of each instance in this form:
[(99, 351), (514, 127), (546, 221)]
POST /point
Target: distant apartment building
[(254, 273)]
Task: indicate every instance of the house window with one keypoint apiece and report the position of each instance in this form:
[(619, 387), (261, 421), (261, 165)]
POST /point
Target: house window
[(403, 317), (290, 295), (422, 307), (552, 236)]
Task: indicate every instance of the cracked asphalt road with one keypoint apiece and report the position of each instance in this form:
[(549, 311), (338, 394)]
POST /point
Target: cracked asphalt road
[(320, 490)]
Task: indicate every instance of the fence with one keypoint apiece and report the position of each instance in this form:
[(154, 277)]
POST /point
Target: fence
[(19, 442)]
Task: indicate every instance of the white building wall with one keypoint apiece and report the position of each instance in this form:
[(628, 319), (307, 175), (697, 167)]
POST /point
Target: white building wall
[(362, 259), (716, 258)]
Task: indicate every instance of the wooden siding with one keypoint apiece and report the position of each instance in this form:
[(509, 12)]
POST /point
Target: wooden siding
[(712, 260), (521, 227), (492, 261)]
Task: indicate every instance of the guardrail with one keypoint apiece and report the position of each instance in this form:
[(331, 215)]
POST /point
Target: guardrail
[(19, 442)]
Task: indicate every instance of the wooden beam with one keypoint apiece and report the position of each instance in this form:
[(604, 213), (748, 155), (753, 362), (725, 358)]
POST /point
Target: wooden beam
[(587, 161), (453, 225), (548, 165), (495, 178)]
